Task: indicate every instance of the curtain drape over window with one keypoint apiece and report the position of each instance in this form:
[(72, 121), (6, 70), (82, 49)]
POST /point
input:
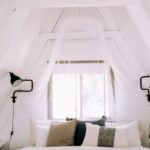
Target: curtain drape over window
[(117, 57), (87, 25), (91, 93), (111, 92)]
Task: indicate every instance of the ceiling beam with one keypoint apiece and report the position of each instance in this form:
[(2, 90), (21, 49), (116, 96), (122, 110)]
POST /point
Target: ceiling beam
[(73, 3), (77, 35), (141, 22)]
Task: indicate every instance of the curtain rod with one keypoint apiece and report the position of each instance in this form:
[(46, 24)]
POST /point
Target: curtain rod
[(79, 61)]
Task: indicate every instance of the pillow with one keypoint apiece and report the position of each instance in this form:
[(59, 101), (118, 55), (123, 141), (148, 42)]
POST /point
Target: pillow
[(133, 133), (103, 136), (81, 129), (133, 130), (121, 138), (41, 135), (34, 122), (62, 134), (91, 136), (42, 122)]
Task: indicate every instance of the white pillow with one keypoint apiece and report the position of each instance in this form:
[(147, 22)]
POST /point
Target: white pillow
[(35, 122), (91, 136), (133, 133), (120, 124), (121, 138), (92, 133), (41, 135)]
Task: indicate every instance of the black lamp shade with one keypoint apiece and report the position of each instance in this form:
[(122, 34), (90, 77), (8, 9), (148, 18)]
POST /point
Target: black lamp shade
[(15, 80)]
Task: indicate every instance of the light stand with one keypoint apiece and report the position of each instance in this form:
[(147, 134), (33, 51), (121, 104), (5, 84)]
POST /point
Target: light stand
[(15, 81)]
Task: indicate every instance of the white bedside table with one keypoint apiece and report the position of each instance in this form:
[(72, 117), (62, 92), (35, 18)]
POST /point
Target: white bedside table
[(3, 145)]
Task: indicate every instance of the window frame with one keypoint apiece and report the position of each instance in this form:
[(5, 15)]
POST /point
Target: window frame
[(50, 101)]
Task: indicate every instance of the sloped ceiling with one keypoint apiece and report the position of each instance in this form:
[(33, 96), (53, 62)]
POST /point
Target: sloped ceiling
[(21, 27), (22, 22)]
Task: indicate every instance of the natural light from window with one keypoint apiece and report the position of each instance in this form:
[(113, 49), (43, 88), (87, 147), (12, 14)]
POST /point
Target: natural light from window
[(78, 95)]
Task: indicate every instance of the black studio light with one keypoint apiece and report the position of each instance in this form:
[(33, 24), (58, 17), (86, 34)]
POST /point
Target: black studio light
[(15, 81)]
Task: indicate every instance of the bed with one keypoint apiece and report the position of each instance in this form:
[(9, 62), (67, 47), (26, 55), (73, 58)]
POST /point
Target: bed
[(89, 135), (83, 148)]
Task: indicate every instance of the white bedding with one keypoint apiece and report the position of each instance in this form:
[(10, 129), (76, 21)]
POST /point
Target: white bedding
[(83, 148)]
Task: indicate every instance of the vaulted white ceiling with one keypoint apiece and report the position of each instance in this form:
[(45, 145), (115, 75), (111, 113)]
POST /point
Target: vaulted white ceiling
[(24, 24)]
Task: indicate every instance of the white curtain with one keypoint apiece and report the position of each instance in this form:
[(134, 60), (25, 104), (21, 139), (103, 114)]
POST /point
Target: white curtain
[(87, 25), (110, 90), (119, 56), (70, 25)]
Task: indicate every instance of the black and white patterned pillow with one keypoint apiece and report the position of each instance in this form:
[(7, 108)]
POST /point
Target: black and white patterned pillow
[(106, 137)]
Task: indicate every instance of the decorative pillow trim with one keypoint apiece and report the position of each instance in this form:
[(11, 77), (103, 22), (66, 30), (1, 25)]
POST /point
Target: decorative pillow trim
[(106, 137)]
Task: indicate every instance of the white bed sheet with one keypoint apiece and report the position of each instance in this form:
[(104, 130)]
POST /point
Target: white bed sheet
[(83, 148)]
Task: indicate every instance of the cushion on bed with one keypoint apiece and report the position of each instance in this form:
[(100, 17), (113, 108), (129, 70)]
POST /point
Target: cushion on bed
[(81, 129), (40, 122), (62, 134), (106, 137), (34, 123), (133, 130), (91, 136), (41, 135), (133, 133), (127, 133)]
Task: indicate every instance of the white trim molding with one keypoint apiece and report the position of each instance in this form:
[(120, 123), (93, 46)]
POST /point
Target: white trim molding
[(73, 3)]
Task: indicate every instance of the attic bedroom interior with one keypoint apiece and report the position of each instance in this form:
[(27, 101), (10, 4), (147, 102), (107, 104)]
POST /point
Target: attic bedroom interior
[(74, 74)]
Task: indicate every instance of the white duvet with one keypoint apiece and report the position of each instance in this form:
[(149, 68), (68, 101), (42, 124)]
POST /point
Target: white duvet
[(83, 148)]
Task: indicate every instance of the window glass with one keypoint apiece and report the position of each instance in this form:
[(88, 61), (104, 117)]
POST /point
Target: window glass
[(78, 95), (93, 95), (64, 96)]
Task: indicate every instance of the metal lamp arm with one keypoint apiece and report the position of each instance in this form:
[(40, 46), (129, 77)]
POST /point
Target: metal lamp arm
[(14, 97), (141, 84), (146, 89)]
